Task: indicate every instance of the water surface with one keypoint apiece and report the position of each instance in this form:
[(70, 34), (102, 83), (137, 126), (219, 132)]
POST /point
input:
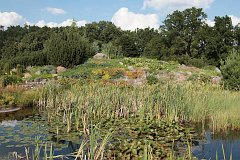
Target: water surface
[(21, 130)]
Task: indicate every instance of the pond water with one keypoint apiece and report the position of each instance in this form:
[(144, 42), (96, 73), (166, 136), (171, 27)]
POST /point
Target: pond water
[(20, 130), (225, 145)]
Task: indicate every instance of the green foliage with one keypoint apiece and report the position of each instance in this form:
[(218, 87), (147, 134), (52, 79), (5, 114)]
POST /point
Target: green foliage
[(154, 48), (10, 80), (128, 46), (149, 64), (68, 48), (7, 68), (183, 34), (6, 100), (97, 69), (231, 71), (19, 69), (180, 30), (200, 77), (111, 50), (196, 62), (152, 80)]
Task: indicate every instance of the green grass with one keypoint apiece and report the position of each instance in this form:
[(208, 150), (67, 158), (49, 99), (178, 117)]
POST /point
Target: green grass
[(186, 102)]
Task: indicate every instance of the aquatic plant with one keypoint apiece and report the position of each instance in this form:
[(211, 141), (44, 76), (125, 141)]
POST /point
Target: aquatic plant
[(188, 102)]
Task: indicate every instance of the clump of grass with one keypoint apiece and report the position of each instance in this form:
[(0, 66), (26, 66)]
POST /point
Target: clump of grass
[(188, 102)]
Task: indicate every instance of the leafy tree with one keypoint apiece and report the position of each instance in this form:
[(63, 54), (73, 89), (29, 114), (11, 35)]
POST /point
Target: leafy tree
[(111, 50), (128, 46), (67, 48), (180, 29), (143, 36), (223, 33), (154, 48), (102, 31), (231, 71), (237, 37)]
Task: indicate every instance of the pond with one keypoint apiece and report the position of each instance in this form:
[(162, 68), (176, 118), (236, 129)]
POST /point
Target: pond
[(21, 130), (224, 145)]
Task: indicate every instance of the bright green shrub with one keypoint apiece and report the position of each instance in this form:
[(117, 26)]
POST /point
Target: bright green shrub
[(231, 71)]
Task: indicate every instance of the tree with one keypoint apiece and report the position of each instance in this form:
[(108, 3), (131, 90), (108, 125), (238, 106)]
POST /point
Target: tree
[(223, 32), (237, 37), (143, 36), (128, 46), (180, 29), (111, 50), (231, 71), (67, 48), (154, 48), (102, 31)]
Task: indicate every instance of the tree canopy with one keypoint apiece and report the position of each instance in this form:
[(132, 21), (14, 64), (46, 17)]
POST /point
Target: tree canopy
[(184, 36)]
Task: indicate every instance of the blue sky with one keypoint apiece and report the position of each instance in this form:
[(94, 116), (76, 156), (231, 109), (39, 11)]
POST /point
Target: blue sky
[(127, 14)]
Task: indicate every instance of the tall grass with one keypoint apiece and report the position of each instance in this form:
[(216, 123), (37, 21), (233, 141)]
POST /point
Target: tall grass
[(80, 104)]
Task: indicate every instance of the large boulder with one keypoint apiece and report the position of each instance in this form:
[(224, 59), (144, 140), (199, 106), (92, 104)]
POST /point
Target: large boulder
[(61, 69), (100, 56)]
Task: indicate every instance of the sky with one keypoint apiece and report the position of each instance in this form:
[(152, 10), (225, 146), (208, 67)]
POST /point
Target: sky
[(127, 14)]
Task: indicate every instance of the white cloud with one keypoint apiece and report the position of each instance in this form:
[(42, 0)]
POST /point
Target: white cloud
[(210, 22), (131, 21), (10, 19), (55, 11), (176, 4), (235, 20), (65, 23)]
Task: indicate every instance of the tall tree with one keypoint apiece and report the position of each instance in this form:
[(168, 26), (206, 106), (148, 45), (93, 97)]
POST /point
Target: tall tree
[(67, 48), (128, 45), (180, 29), (102, 31)]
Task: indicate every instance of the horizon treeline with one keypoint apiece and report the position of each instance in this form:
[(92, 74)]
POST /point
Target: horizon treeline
[(184, 36)]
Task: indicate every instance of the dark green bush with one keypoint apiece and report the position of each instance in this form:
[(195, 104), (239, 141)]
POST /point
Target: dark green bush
[(231, 71), (196, 62), (152, 80), (19, 69), (10, 80)]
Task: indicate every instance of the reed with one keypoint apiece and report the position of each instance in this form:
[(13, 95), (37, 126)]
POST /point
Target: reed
[(81, 104)]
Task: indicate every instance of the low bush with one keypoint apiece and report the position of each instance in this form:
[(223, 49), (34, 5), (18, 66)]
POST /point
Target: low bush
[(10, 80), (152, 80), (231, 71)]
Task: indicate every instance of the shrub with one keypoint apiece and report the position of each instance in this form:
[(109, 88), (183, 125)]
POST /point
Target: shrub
[(196, 62), (10, 80), (19, 69), (152, 80), (7, 68), (231, 71)]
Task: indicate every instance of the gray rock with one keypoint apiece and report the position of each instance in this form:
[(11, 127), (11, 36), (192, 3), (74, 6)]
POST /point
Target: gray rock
[(217, 70), (29, 68), (131, 68), (61, 69), (100, 56), (38, 73), (27, 75)]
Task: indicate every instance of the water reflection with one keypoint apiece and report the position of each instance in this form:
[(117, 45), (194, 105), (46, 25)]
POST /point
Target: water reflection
[(20, 129), (10, 123), (217, 145)]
